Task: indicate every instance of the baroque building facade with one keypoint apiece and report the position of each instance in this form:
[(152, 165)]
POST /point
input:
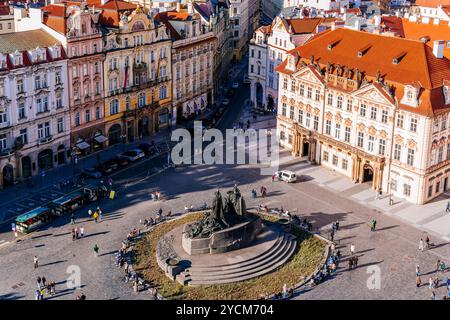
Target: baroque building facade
[(371, 107)]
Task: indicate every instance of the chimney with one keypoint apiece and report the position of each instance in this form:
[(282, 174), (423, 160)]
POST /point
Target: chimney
[(357, 25), (337, 24), (438, 48)]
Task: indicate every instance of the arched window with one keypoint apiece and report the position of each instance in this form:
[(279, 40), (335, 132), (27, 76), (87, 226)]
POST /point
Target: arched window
[(114, 106), (141, 100)]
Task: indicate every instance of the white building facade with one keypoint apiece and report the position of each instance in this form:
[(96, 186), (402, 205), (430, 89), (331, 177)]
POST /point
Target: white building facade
[(34, 118)]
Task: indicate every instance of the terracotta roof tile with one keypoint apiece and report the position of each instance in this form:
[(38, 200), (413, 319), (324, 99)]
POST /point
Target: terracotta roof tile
[(432, 3)]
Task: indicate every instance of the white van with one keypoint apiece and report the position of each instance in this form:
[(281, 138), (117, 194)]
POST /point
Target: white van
[(286, 175)]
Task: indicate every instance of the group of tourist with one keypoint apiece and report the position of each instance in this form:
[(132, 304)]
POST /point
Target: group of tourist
[(44, 287), (77, 233), (424, 245), (97, 215)]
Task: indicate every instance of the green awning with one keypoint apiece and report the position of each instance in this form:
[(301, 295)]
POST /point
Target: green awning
[(31, 214)]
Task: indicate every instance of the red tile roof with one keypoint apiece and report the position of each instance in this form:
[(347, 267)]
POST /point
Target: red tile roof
[(432, 3), (118, 5), (417, 65)]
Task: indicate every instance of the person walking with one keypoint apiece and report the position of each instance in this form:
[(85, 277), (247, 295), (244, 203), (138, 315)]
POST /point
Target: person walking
[(96, 250), (427, 242), (430, 283), (76, 233), (438, 264), (332, 235), (373, 224), (418, 271), (81, 232), (352, 249), (38, 280), (100, 213), (72, 218), (36, 262), (421, 246), (418, 282), (44, 281), (52, 288), (448, 207), (37, 295), (355, 262), (337, 225), (90, 213), (350, 264), (73, 234), (95, 216)]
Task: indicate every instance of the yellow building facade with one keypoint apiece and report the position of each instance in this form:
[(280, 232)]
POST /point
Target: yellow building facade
[(137, 78)]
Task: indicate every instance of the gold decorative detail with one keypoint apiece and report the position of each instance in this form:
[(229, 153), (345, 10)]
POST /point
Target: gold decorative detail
[(372, 131), (308, 108), (316, 111), (338, 118), (292, 102), (411, 144), (348, 122), (283, 99), (328, 116), (398, 139), (301, 105), (361, 127), (383, 134)]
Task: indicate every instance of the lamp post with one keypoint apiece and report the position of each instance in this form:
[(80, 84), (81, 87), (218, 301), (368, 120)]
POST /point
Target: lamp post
[(391, 201)]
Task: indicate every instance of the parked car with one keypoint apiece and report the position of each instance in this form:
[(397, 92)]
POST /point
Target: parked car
[(132, 155), (121, 162), (92, 173), (105, 170), (148, 149), (286, 175), (111, 163), (235, 85)]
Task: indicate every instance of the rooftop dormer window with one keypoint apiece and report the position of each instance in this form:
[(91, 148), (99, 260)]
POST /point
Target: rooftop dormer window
[(446, 89), (410, 96), (291, 63), (18, 59)]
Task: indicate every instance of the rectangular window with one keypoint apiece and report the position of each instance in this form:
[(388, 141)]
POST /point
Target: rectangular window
[(302, 90), (77, 119), (361, 139), (317, 95), (397, 152), (291, 112), (344, 164), (290, 139), (316, 123), (410, 159), (335, 160), (23, 136), (444, 123), (362, 110), (325, 156), (60, 125), (347, 134), (97, 113), (292, 85), (394, 185), (58, 77), (406, 190), (337, 131), (339, 102), (330, 99), (308, 120), (349, 105), (438, 186), (283, 109), (400, 118), (285, 83), (371, 143), (382, 147), (448, 150), (87, 116), (309, 94), (328, 127), (3, 144), (22, 111), (20, 86), (384, 116), (440, 153), (413, 125), (373, 113), (430, 191)]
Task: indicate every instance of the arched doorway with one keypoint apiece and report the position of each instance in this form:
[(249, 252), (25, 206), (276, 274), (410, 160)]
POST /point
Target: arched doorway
[(114, 134), (305, 149), (163, 117), (61, 155), (259, 94), (367, 173), (45, 159), (26, 167), (143, 127), (8, 175)]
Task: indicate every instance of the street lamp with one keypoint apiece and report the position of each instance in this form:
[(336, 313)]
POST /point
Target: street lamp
[(391, 201)]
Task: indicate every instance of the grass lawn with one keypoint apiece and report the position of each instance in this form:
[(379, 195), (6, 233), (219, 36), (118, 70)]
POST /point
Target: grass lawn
[(307, 257)]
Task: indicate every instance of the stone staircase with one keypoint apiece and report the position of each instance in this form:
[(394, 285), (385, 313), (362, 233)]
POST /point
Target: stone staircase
[(267, 261)]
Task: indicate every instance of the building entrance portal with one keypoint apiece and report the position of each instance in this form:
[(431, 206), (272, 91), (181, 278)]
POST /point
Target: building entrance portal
[(367, 174)]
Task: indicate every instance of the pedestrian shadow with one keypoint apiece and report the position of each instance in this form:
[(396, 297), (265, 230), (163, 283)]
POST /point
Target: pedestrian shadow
[(387, 228), (11, 296), (345, 238), (61, 234), (52, 263), (94, 234), (439, 245), (350, 226), (107, 253), (39, 245), (368, 264), (42, 236), (364, 251)]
